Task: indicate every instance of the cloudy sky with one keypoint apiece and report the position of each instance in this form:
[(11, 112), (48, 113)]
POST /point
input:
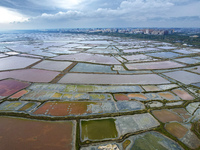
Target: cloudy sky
[(43, 14)]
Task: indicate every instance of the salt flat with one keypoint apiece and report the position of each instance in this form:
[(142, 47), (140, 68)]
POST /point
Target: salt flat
[(98, 92)]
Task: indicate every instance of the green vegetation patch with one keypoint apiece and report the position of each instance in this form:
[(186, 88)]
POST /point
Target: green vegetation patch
[(85, 88), (97, 97), (98, 129), (27, 106), (148, 142), (79, 88), (126, 144)]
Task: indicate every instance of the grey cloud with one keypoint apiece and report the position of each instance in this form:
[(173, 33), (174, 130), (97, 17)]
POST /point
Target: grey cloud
[(137, 9), (128, 11), (105, 13), (185, 18), (182, 18), (26, 7)]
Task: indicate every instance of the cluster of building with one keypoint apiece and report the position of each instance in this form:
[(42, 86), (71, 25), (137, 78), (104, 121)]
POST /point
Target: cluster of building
[(155, 31), (148, 31)]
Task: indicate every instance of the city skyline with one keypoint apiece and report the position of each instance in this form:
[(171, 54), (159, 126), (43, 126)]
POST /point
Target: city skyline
[(34, 14)]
